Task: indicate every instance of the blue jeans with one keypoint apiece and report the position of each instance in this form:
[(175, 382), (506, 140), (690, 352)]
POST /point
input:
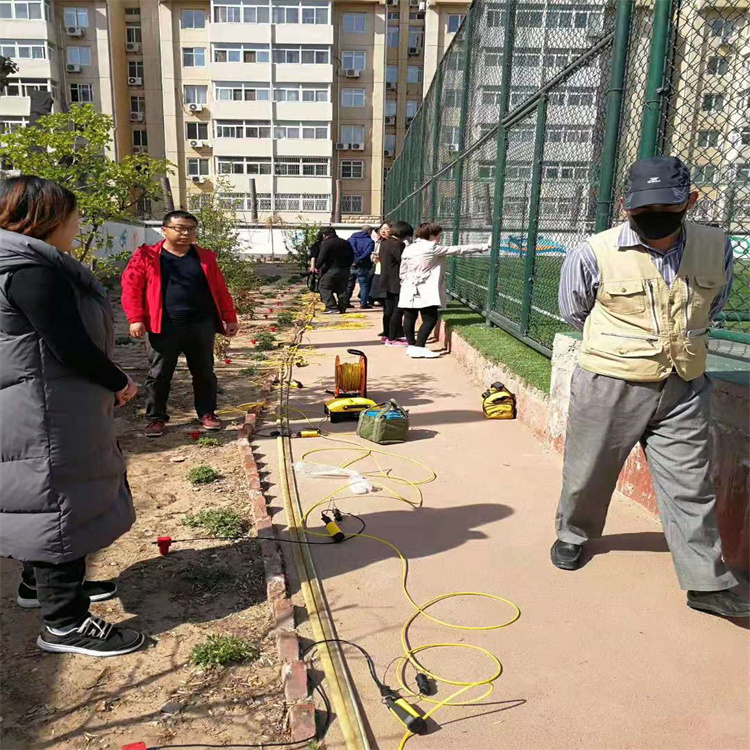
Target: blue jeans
[(363, 277)]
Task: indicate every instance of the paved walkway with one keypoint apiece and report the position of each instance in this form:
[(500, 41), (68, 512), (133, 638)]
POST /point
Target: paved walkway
[(606, 658)]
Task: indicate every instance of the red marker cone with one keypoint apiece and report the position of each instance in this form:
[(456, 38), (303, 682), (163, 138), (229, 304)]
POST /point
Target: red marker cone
[(195, 434), (164, 543)]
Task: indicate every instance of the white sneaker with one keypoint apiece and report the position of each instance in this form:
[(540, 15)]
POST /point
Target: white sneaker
[(421, 352)]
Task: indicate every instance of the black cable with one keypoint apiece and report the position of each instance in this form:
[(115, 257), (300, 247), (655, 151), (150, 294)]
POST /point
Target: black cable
[(368, 658)]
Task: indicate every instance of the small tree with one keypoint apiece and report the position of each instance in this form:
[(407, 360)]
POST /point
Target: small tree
[(218, 230), (70, 148), (298, 241), (7, 69)]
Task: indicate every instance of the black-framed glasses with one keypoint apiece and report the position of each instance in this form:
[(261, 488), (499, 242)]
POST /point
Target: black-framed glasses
[(182, 229)]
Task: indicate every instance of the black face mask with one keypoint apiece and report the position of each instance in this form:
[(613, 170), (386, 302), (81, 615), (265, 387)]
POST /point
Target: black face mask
[(655, 225)]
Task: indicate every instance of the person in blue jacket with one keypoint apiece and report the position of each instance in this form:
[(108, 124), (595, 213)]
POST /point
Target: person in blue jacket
[(363, 246)]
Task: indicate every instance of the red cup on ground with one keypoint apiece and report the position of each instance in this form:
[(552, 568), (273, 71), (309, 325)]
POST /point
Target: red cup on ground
[(254, 342), (227, 361), (273, 329), (195, 434), (164, 543)]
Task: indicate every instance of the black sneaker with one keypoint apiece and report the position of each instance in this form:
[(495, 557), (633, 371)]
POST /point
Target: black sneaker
[(98, 591), (93, 637), (723, 603)]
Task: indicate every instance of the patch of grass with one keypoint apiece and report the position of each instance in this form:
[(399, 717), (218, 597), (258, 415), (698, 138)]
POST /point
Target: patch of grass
[(207, 442), (258, 355), (202, 475), (223, 650), (266, 341), (219, 522), (500, 347), (285, 318), (248, 372)]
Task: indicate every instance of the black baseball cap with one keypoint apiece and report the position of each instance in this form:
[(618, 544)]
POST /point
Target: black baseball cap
[(657, 179)]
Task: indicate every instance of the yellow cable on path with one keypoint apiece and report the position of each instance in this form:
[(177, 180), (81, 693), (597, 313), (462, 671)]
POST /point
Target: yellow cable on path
[(383, 480)]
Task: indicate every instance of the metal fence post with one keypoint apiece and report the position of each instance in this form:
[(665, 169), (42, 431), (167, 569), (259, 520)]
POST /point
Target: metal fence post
[(438, 84), (654, 87), (614, 111), (501, 156), (420, 175), (536, 189)]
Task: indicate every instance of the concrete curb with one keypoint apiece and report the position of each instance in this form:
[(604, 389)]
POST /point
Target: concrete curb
[(293, 669)]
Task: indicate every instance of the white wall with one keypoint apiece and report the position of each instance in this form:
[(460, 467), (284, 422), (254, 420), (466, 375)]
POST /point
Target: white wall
[(125, 236)]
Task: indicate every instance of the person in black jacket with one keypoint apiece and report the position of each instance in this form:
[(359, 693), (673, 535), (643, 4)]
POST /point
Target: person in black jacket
[(334, 263), (390, 282)]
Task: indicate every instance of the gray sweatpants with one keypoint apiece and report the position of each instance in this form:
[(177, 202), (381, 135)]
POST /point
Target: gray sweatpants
[(607, 417)]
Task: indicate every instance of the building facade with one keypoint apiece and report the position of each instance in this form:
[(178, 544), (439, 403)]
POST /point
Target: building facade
[(288, 98)]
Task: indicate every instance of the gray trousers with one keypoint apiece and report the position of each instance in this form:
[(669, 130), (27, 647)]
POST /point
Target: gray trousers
[(607, 417)]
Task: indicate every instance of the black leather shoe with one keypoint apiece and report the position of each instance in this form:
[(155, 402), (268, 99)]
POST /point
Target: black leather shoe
[(723, 603), (566, 556)]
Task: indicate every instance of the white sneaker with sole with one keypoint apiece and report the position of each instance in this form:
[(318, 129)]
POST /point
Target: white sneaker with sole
[(421, 352)]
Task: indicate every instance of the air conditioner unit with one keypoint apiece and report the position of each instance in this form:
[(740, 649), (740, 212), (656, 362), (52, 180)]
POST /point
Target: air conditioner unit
[(342, 147), (195, 107), (140, 149), (357, 146), (391, 2), (388, 152), (199, 180), (135, 81), (132, 47), (390, 120), (73, 68), (423, 5), (453, 147), (390, 85), (415, 51), (352, 73), (197, 144), (74, 31), (136, 117), (413, 3)]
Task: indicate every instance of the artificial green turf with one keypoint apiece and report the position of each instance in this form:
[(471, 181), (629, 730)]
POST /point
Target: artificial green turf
[(500, 347)]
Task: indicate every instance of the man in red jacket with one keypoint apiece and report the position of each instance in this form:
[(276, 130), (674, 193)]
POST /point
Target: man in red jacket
[(175, 292)]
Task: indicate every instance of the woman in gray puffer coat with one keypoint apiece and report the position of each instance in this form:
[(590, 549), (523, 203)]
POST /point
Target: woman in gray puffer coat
[(63, 488)]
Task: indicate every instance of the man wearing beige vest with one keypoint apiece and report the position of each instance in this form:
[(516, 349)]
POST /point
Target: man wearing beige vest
[(643, 294)]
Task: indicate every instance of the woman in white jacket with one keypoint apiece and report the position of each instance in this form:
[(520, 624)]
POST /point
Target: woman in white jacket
[(423, 284)]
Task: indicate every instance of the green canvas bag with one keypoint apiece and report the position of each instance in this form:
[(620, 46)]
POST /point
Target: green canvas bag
[(384, 424)]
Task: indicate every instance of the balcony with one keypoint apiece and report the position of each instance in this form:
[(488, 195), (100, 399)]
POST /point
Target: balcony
[(225, 110), (236, 33), (237, 71), (293, 73), (34, 68), (304, 185), (15, 106), (36, 29), (242, 146), (305, 33), (303, 147), (309, 111)]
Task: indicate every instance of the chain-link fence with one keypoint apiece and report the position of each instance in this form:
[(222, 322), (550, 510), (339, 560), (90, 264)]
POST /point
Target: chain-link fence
[(535, 114)]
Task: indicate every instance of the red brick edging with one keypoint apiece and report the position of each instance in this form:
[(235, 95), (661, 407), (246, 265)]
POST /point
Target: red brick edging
[(293, 669)]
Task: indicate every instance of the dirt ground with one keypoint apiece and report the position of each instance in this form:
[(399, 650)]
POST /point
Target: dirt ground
[(155, 696)]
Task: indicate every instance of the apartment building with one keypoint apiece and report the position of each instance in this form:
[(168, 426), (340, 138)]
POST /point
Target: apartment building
[(293, 95)]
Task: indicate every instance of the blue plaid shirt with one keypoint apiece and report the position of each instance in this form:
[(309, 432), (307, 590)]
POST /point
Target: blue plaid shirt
[(580, 277)]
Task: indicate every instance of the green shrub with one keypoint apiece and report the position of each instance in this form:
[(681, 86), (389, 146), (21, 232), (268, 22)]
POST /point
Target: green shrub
[(265, 341), (223, 650), (285, 318), (258, 355), (202, 475), (219, 522), (207, 442), (248, 372)]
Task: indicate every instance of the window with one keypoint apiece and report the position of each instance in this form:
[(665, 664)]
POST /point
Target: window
[(25, 86), (297, 55), (197, 167), (522, 134), (193, 19), (76, 17), (393, 15), (352, 97), (556, 57), (298, 202), (81, 92), (135, 69), (13, 124), (140, 138), (25, 50), (243, 129), (718, 65), (352, 133), (713, 103), (196, 131), (79, 56), (194, 57), (252, 165), (486, 171), (241, 92), (413, 74), (495, 15), (351, 169), (256, 14), (708, 138), (304, 130), (138, 104), (285, 14), (196, 94), (391, 74), (565, 171), (569, 19), (568, 134), (527, 58), (227, 14), (392, 37), (389, 142), (133, 33), (354, 23), (454, 22), (559, 207), (723, 28), (296, 166), (351, 204), (416, 37), (530, 19), (705, 174), (20, 10), (412, 107), (132, 11), (743, 174), (390, 107), (315, 15), (452, 98), (744, 136), (247, 53), (295, 92), (355, 60)]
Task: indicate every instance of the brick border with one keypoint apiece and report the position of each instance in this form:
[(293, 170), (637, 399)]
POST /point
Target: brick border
[(293, 669)]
